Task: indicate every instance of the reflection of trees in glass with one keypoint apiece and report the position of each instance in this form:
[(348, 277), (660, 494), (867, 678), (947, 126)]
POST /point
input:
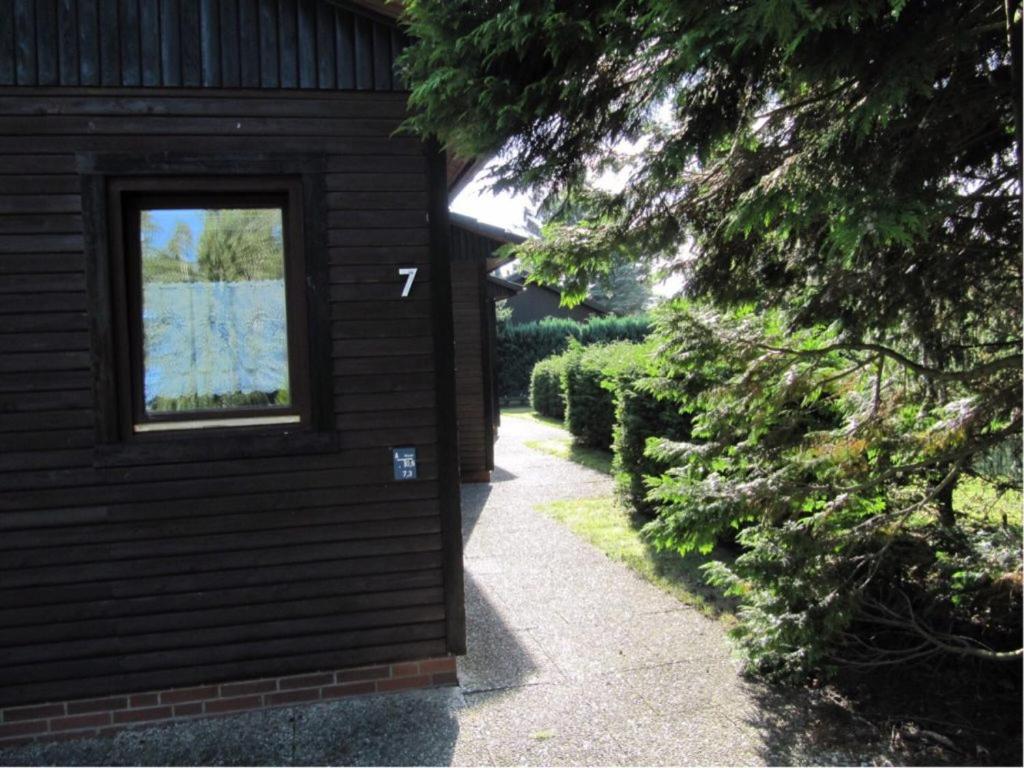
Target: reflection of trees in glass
[(214, 334), (175, 262), (239, 244), (234, 244), (197, 402)]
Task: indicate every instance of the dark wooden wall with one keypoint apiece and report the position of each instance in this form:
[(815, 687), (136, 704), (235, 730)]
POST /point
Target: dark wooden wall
[(472, 257), (472, 403), (173, 569), (196, 44)]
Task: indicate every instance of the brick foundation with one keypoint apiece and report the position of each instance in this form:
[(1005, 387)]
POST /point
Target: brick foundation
[(97, 717)]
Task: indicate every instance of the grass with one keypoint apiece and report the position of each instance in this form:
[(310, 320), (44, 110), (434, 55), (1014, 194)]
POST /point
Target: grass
[(981, 501), (565, 448), (605, 524), (977, 504), (525, 412)]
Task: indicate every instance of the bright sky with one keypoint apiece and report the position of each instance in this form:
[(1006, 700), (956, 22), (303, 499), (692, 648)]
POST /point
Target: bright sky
[(501, 209), (509, 211)]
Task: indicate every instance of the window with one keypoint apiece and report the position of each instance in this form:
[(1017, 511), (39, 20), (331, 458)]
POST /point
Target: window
[(213, 320)]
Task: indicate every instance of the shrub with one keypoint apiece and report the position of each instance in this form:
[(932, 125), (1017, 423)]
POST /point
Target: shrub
[(546, 395), (589, 383), (523, 345), (843, 560), (639, 416)]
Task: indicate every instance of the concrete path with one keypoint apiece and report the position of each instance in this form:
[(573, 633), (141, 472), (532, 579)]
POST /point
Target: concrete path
[(572, 660)]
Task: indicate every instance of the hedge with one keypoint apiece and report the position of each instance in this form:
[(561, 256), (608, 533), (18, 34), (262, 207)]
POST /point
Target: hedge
[(546, 395), (639, 416), (589, 382), (523, 345), (607, 396)]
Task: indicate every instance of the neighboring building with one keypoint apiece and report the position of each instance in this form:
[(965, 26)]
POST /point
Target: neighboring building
[(252, 499), (537, 302), (474, 292)]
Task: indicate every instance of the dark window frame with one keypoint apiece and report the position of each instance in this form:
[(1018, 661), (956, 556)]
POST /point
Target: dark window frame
[(126, 199), (116, 446)]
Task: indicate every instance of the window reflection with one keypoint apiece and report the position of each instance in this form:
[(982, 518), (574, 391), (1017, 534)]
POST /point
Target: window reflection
[(214, 329)]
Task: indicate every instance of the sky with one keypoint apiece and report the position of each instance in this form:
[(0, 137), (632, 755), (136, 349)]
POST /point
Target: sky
[(508, 211), (501, 209), (166, 220)]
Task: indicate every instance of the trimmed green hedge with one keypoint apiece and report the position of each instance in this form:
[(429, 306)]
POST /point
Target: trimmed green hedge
[(546, 395), (523, 345), (640, 416), (591, 376), (606, 394)]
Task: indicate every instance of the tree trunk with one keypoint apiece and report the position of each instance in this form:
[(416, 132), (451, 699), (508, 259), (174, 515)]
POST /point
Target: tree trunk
[(944, 500)]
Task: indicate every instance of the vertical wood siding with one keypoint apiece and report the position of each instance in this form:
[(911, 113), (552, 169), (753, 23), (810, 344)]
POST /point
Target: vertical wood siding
[(309, 44), (171, 570)]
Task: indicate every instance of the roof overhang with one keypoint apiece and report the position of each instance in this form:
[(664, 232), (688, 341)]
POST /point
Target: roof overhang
[(392, 9), (494, 237), (498, 288), (470, 224)]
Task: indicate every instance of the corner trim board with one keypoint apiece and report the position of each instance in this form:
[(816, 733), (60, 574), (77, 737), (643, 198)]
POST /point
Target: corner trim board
[(447, 427)]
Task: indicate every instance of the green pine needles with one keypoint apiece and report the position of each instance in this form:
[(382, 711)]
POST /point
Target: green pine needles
[(840, 186)]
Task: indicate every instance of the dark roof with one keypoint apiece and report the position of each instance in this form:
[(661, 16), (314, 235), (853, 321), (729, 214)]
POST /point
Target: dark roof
[(470, 224), (501, 288), (461, 171), (520, 279), (390, 8), (472, 239)]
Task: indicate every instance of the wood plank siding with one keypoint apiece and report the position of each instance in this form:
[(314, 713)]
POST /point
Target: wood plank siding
[(476, 437), (474, 253), (127, 570), (291, 44)]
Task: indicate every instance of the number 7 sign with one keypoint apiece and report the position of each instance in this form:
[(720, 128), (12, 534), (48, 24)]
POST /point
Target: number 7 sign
[(409, 273)]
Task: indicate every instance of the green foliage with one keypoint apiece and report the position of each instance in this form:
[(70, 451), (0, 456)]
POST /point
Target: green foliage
[(546, 395), (625, 289), (241, 244), (523, 345), (826, 467), (640, 417), (589, 385), (847, 178), (235, 244), (502, 312), (218, 402), (174, 263)]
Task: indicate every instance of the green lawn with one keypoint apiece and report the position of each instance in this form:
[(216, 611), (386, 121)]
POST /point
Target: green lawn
[(526, 412), (565, 448), (606, 524)]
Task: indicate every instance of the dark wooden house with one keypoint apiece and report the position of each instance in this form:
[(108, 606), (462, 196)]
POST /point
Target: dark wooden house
[(537, 302), (228, 454), (474, 255)]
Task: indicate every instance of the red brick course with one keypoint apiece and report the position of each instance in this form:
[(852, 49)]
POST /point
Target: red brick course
[(91, 717)]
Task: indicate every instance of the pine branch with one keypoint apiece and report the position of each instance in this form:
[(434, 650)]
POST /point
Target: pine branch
[(938, 374)]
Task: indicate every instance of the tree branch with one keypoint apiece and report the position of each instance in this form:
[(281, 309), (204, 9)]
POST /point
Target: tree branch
[(1010, 361), (946, 642)]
